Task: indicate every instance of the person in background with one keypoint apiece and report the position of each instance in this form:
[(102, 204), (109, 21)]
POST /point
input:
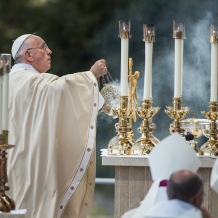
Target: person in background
[(185, 193), (166, 160), (52, 123)]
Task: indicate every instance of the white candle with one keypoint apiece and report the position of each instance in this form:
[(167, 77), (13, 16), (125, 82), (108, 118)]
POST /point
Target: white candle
[(124, 66), (178, 67), (214, 68), (182, 42), (5, 97), (148, 70)]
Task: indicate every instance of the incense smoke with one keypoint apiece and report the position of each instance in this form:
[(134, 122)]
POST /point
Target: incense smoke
[(196, 61)]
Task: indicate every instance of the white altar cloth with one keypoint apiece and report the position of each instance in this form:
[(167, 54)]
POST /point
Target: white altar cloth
[(142, 160)]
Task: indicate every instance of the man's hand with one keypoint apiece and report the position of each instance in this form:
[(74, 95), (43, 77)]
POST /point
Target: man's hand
[(99, 68)]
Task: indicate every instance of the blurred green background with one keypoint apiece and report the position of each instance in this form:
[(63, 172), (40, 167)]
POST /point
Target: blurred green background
[(81, 32)]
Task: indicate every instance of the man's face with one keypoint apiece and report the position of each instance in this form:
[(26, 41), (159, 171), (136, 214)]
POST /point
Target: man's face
[(40, 54)]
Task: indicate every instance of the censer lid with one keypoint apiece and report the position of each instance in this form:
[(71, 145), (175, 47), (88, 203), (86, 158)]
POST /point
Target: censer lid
[(111, 94)]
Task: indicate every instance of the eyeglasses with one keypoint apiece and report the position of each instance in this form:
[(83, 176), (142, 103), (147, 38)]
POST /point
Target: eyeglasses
[(43, 47)]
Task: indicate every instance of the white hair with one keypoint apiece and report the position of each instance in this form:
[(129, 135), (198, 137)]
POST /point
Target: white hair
[(21, 51)]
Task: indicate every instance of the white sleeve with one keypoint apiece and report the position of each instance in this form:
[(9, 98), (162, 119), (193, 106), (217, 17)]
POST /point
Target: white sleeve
[(100, 98)]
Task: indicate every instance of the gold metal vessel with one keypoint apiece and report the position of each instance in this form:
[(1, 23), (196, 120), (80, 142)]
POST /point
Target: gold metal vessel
[(6, 203), (147, 141), (211, 147), (177, 113)]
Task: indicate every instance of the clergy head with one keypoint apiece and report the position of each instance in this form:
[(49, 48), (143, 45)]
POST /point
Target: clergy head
[(186, 186), (31, 49), (172, 154)]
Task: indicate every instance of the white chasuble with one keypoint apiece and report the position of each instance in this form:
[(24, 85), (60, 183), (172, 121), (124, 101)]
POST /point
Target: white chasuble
[(52, 123), (173, 209)]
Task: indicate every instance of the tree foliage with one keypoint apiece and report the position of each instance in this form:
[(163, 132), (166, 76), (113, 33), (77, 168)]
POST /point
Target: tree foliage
[(68, 27)]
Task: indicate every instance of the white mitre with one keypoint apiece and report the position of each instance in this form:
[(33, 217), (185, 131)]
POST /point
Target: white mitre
[(214, 177), (172, 154), (17, 44)]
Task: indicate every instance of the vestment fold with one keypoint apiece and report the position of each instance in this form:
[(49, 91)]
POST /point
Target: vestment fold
[(52, 123)]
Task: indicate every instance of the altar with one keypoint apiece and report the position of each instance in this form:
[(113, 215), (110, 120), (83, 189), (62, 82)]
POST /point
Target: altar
[(133, 180)]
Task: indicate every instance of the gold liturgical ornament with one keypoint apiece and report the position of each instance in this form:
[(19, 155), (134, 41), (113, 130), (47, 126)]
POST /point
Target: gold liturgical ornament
[(133, 84), (193, 130), (117, 106), (147, 141), (6, 202), (123, 143), (177, 113), (126, 107), (211, 147), (207, 127)]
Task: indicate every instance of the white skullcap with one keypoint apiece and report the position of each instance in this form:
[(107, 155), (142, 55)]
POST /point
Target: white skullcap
[(17, 44)]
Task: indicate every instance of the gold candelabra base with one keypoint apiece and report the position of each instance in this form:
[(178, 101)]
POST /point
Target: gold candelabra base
[(177, 113), (147, 141), (121, 144), (6, 203), (211, 147)]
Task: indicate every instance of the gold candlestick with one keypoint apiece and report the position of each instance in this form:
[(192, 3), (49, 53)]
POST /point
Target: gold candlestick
[(211, 147), (120, 144), (147, 141), (177, 113), (6, 202)]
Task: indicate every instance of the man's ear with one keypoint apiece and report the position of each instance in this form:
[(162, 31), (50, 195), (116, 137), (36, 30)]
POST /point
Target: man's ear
[(28, 56), (198, 199)]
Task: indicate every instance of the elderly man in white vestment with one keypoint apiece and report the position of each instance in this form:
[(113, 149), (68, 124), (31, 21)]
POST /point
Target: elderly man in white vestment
[(185, 193), (52, 122)]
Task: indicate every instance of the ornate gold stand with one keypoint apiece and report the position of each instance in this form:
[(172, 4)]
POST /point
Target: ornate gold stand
[(193, 126), (147, 141), (6, 203), (177, 113), (211, 147), (121, 145)]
